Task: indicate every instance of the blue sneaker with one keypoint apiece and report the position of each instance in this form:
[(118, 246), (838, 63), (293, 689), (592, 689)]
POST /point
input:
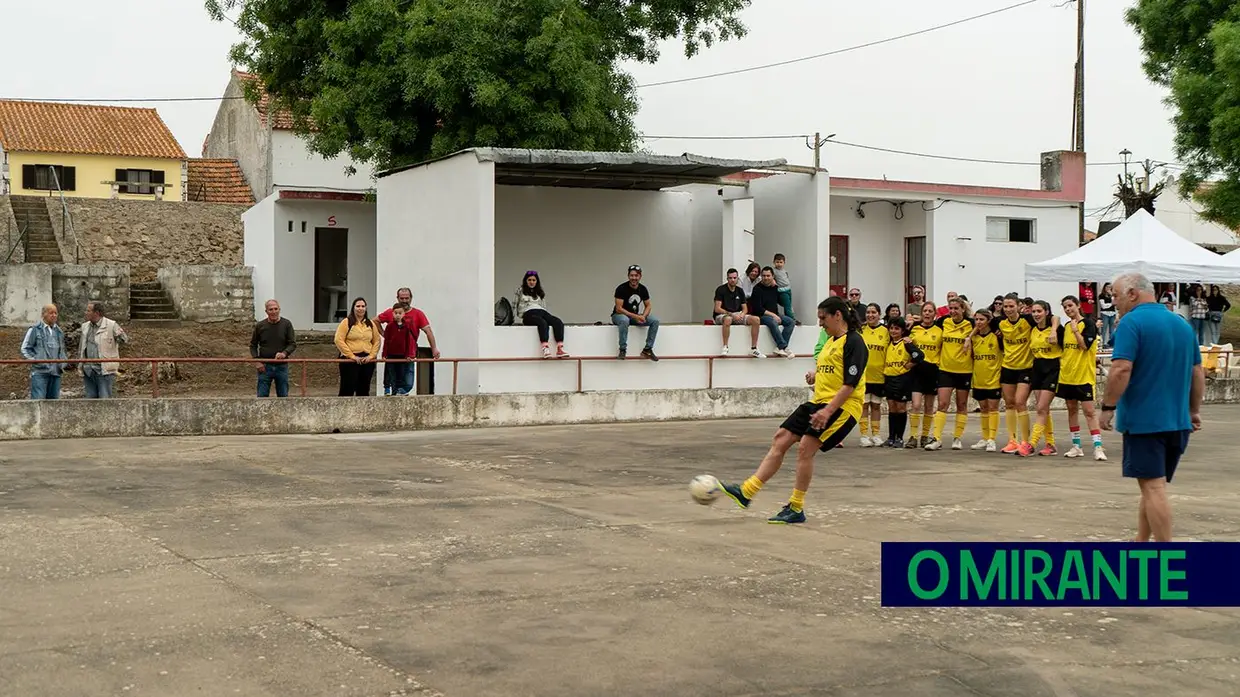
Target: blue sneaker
[(787, 516), (734, 491), (387, 392)]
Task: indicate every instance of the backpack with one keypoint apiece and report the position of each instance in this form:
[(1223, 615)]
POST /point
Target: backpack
[(503, 313)]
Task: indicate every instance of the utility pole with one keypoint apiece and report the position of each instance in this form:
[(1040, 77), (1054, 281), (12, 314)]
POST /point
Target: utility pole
[(816, 146), (1078, 106)]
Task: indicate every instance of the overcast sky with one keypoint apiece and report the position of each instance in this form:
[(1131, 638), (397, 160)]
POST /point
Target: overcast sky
[(995, 88)]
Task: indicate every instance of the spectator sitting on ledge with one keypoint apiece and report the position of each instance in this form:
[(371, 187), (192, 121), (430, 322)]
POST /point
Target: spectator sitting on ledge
[(531, 307), (764, 304), (632, 306), (730, 309)]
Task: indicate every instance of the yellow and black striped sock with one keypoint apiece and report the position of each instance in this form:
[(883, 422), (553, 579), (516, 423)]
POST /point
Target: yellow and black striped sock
[(751, 487), (940, 420), (962, 421), (797, 501)]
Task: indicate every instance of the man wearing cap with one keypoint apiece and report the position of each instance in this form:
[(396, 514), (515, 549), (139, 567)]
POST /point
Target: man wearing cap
[(632, 307)]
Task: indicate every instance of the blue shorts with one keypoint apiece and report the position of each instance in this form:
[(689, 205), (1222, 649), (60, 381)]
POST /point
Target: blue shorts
[(1153, 455)]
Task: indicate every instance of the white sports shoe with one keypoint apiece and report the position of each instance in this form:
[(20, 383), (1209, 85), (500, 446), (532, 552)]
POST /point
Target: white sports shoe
[(866, 442), (757, 354), (980, 445), (1100, 454), (723, 351), (1074, 451), (991, 447), (956, 444), (790, 354)]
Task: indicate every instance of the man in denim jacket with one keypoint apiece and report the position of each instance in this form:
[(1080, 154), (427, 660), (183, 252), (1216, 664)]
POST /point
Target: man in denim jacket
[(45, 341)]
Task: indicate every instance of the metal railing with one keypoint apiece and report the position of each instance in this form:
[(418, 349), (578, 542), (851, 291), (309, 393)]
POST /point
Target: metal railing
[(305, 363), (66, 220), (21, 235)]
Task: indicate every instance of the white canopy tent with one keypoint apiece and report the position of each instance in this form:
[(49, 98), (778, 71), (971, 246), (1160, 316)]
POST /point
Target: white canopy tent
[(1140, 244)]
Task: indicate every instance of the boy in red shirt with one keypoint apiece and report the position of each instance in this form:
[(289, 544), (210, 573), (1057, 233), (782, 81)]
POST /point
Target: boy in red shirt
[(400, 341)]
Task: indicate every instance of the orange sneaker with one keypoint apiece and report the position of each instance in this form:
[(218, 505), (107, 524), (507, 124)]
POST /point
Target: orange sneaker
[(1025, 450), (1048, 450), (1011, 448)]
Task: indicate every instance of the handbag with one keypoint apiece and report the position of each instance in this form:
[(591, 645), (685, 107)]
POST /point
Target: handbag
[(1216, 316)]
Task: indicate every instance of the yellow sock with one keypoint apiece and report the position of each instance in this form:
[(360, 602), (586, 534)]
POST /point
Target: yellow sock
[(865, 428), (962, 420), (994, 425), (1050, 431), (751, 487), (1038, 429), (1022, 417), (914, 420), (876, 426), (797, 501), (940, 420), (926, 423), (1011, 423)]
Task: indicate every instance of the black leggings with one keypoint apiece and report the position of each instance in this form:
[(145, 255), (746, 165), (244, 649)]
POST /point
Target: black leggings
[(544, 321), (355, 379)]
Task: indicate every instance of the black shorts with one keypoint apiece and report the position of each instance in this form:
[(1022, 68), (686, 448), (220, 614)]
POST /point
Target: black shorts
[(925, 378), (1045, 374), (984, 395), (1007, 376), (1154, 455), (899, 388), (837, 429), (955, 381), (874, 388), (1075, 393)]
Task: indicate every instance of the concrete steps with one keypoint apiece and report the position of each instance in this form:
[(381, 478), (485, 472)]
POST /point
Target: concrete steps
[(149, 301), (40, 243)]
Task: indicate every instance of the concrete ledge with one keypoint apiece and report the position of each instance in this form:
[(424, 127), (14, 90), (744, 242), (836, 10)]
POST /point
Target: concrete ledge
[(82, 418)]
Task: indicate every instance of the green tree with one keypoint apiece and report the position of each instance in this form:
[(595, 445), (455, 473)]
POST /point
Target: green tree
[(391, 82), (1192, 47)]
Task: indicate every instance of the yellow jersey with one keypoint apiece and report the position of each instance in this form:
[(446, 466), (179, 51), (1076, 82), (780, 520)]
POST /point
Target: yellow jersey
[(899, 355), (876, 340), (929, 341), (987, 361), (842, 361), (1079, 364), (1041, 346), (955, 357), (1016, 336)]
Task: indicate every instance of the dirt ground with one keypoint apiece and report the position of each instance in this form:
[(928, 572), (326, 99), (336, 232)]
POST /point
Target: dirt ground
[(182, 379)]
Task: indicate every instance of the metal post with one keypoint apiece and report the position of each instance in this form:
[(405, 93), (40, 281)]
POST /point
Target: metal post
[(455, 364), (305, 377), (578, 375), (155, 379), (710, 373), (1079, 107)]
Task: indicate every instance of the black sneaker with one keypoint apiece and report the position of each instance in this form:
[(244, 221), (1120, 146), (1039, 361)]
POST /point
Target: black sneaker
[(649, 353), (787, 517), (622, 354), (735, 493), (897, 443)]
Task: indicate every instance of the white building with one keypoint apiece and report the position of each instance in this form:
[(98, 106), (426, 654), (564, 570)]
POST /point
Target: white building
[(311, 237), (1183, 216), (477, 220)]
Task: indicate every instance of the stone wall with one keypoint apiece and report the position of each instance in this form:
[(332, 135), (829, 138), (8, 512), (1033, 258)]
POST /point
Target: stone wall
[(24, 290), (147, 235), (210, 293), (10, 231), (74, 285)]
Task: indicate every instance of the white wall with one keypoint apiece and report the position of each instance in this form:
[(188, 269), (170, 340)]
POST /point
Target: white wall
[(965, 262), (876, 244), (260, 252), (294, 255), (437, 222), (792, 217), (293, 166), (706, 221), (1181, 216), (582, 241)]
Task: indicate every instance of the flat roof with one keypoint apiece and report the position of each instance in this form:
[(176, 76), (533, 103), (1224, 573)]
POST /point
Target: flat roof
[(602, 170)]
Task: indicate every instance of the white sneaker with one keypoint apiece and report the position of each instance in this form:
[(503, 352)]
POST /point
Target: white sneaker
[(980, 445), (780, 352), (756, 353), (934, 444), (1100, 454), (789, 354), (956, 444), (866, 442), (1074, 451), (991, 447), (723, 351)]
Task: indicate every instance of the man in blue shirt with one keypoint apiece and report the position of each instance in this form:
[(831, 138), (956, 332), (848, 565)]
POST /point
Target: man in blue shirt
[(1154, 392)]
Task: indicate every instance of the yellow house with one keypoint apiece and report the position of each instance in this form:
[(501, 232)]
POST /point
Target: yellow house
[(88, 151)]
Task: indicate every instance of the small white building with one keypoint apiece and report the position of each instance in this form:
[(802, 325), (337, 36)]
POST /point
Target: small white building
[(1183, 216), (311, 237), (463, 229)]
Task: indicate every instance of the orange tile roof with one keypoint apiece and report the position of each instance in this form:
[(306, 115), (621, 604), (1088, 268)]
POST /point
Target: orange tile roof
[(282, 121), (86, 129), (217, 181)]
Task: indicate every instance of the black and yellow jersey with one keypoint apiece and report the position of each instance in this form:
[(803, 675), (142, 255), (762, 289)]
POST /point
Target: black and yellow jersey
[(929, 341), (955, 356), (987, 361), (1079, 363), (841, 362), (1041, 344), (899, 355), (876, 340), (1016, 336)]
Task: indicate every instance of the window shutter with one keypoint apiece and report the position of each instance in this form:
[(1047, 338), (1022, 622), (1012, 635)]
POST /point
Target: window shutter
[(28, 177), (122, 175), (157, 176), (70, 179)]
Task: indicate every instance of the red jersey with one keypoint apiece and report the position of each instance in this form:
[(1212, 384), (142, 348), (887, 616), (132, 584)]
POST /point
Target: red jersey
[(1087, 298), (415, 320)]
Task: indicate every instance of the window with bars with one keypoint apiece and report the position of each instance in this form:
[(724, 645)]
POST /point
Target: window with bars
[(139, 181)]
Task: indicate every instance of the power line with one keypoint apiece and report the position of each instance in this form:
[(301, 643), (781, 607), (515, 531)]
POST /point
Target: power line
[(838, 51)]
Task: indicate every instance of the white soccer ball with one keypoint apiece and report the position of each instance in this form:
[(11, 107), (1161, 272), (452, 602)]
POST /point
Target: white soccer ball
[(705, 489)]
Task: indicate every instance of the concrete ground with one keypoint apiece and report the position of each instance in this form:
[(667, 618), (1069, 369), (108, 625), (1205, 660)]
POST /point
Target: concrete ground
[(564, 561)]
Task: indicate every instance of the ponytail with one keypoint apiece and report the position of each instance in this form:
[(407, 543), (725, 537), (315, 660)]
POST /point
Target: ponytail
[(837, 305)]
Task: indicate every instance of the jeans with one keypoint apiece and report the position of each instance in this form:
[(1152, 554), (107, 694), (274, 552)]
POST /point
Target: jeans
[(397, 377), (1199, 328), (44, 386), (785, 301), (98, 385), (546, 323), (781, 338), (1108, 329), (622, 323), (277, 373)]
